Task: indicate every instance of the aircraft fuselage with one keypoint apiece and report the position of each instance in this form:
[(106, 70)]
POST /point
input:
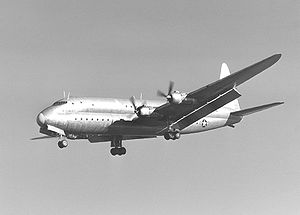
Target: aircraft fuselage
[(93, 118)]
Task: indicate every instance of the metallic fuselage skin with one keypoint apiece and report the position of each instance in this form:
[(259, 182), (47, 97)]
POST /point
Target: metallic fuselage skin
[(89, 117)]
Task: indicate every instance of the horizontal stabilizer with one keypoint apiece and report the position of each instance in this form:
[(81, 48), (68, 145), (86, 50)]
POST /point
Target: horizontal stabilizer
[(249, 111)]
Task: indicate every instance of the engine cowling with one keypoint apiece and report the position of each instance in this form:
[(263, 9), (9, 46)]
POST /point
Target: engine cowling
[(144, 111), (176, 98)]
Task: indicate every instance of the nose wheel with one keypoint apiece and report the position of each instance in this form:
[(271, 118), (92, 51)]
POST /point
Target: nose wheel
[(117, 148), (62, 144)]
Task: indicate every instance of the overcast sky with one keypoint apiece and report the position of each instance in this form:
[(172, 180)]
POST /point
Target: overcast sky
[(122, 48)]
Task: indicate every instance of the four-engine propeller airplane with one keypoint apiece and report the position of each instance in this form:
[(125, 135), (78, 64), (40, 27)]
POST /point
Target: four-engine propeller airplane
[(108, 119)]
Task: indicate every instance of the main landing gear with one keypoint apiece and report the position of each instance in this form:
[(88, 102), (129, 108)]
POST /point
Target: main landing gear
[(172, 135), (117, 149), (62, 144)]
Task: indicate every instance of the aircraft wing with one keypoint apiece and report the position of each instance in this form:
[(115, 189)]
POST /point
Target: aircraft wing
[(206, 94)]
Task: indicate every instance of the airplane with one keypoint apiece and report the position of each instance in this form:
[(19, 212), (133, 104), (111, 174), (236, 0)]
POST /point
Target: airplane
[(115, 120)]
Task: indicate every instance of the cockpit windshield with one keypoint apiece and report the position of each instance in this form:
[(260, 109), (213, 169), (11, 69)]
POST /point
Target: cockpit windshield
[(61, 102)]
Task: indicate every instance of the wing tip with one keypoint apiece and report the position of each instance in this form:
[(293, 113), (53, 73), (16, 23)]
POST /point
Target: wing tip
[(276, 57)]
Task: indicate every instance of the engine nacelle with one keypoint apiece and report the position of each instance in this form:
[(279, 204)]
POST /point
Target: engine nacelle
[(177, 97), (144, 111)]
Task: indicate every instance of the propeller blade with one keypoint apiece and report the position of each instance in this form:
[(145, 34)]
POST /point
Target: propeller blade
[(161, 94), (171, 85), (132, 100)]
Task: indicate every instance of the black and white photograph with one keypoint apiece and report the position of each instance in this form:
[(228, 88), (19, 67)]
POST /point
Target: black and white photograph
[(150, 107)]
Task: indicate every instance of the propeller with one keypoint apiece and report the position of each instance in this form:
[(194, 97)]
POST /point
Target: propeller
[(137, 109), (132, 100), (66, 97), (169, 95)]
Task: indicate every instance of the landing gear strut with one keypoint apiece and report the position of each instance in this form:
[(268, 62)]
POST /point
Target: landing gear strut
[(62, 144), (117, 148)]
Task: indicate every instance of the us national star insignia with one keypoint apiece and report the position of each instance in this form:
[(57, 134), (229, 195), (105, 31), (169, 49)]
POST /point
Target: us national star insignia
[(204, 123)]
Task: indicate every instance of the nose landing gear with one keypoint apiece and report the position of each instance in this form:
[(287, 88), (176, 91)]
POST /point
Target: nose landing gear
[(117, 149), (62, 144)]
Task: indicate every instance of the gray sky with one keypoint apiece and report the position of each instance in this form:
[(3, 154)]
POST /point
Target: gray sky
[(122, 48)]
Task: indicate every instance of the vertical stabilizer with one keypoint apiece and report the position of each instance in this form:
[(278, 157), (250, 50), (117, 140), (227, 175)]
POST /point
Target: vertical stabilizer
[(224, 71), (234, 105)]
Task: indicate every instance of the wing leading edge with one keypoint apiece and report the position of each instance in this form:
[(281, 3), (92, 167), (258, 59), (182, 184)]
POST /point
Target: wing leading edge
[(234, 79)]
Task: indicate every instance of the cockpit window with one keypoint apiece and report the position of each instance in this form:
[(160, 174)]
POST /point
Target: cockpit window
[(59, 103)]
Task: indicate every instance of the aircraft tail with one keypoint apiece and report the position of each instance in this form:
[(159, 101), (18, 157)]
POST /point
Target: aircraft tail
[(234, 105)]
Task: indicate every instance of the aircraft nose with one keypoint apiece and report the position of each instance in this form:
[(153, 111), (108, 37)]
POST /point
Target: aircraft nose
[(40, 119)]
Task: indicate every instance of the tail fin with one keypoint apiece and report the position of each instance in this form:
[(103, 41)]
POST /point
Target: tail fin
[(234, 105), (252, 110)]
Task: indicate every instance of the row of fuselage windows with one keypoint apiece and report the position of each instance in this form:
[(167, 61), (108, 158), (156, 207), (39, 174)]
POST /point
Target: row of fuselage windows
[(91, 119), (65, 102), (127, 106)]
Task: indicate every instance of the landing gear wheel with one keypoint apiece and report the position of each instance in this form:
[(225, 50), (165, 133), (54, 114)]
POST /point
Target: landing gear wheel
[(174, 135), (118, 151), (62, 144), (113, 151), (122, 151)]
